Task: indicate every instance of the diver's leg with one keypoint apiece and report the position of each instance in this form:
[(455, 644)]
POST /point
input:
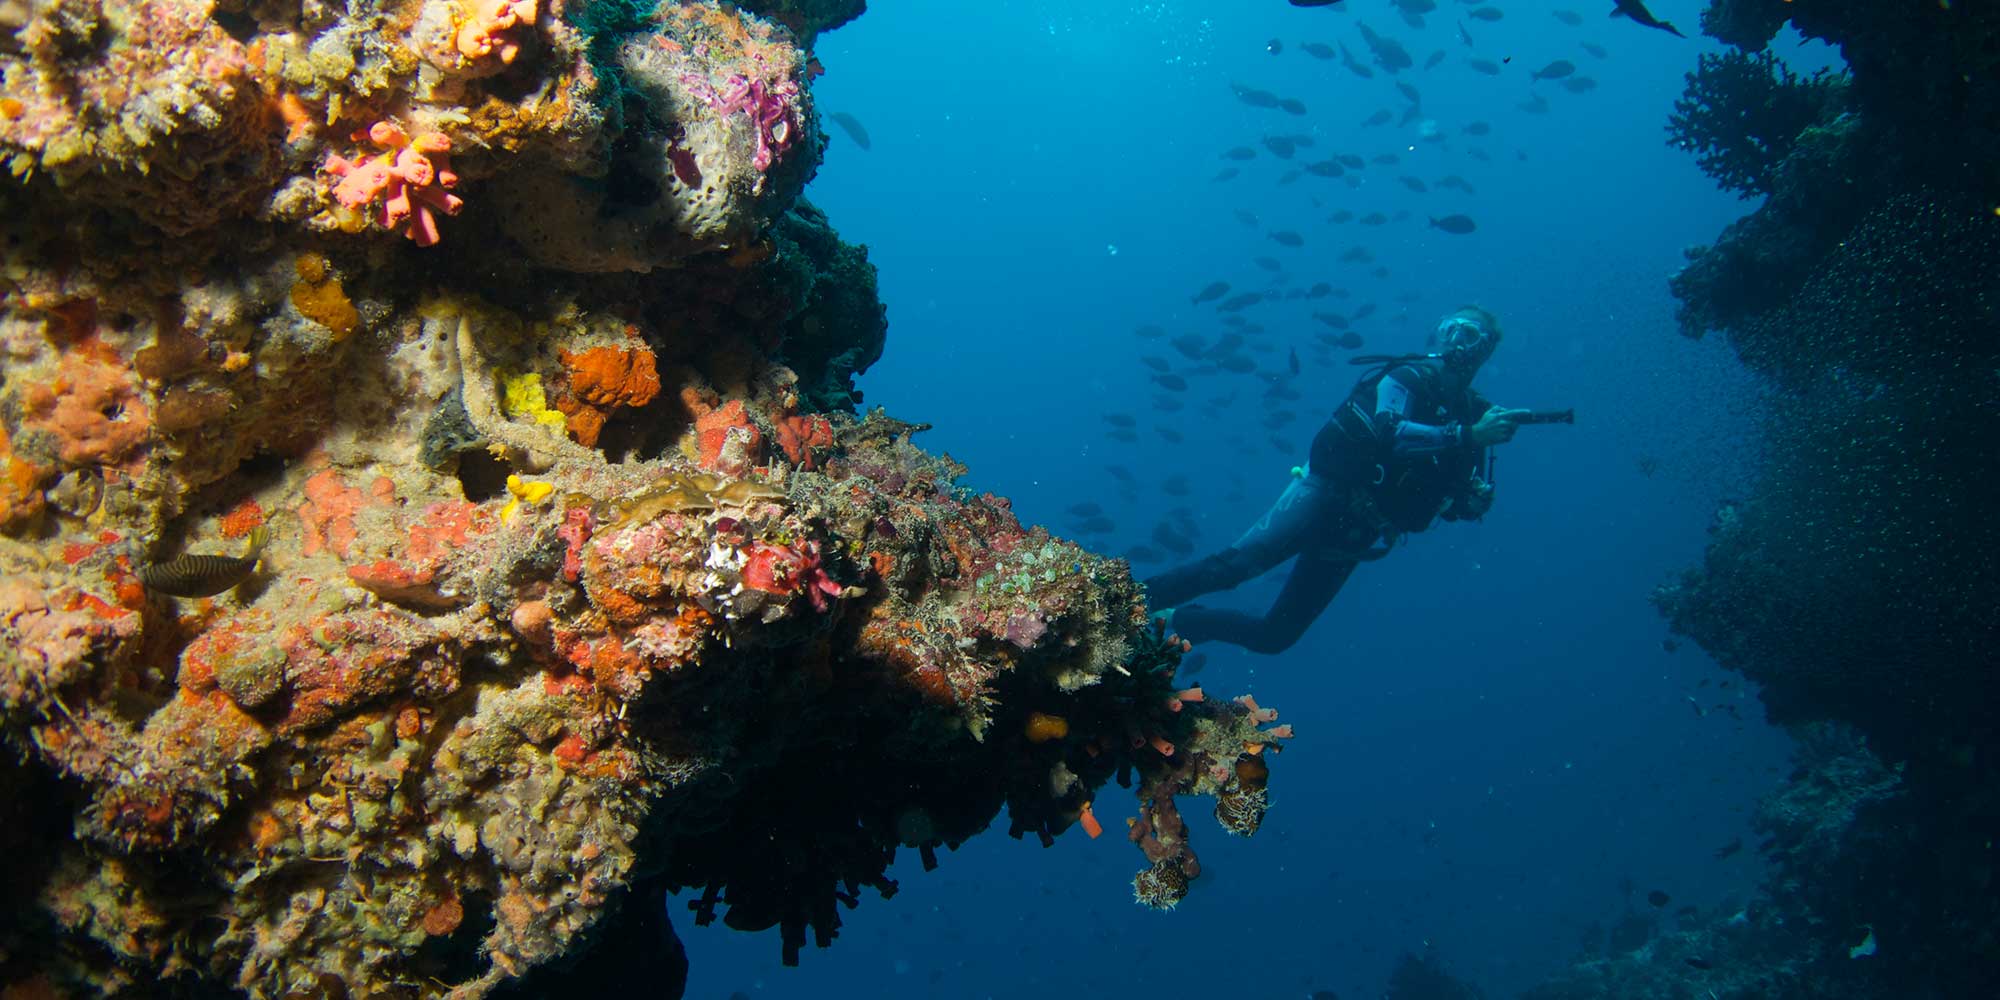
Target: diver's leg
[(1293, 521), (1311, 587)]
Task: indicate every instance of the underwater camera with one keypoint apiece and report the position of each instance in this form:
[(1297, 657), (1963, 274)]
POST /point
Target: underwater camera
[(1547, 417)]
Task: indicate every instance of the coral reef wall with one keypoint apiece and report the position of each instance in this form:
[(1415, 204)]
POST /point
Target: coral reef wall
[(1857, 581), (434, 496), (1921, 109)]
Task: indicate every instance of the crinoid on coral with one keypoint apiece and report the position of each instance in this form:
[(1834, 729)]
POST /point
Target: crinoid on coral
[(720, 137)]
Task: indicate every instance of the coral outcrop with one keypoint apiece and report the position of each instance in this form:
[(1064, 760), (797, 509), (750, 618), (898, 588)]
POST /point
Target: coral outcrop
[(719, 136), (486, 347), (1921, 108), (1856, 581)]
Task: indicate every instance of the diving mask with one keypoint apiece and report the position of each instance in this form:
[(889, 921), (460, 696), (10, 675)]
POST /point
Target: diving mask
[(1460, 333), (1464, 341)]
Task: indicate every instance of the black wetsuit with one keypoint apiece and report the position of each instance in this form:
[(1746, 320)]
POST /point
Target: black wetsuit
[(1394, 457)]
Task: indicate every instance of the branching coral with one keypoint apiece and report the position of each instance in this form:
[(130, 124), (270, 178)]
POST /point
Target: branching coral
[(406, 184), (1742, 113), (495, 29)]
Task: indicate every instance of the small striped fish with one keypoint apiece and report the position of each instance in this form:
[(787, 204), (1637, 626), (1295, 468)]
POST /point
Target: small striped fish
[(202, 574)]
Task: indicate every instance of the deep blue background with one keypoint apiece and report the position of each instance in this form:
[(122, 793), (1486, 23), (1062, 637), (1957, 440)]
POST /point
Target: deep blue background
[(1504, 681)]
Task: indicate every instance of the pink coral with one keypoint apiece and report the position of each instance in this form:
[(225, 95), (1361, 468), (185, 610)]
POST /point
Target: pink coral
[(726, 440), (1024, 629), (491, 30), (415, 575), (782, 569), (575, 530), (411, 180), (342, 660), (327, 516), (803, 437), (769, 105)]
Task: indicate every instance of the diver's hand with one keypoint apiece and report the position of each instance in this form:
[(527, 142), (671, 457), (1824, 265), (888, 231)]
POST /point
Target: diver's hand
[(1496, 427)]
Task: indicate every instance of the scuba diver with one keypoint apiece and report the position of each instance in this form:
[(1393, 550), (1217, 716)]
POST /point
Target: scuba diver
[(1407, 447)]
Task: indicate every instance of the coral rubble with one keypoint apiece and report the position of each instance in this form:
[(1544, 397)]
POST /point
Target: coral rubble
[(477, 369)]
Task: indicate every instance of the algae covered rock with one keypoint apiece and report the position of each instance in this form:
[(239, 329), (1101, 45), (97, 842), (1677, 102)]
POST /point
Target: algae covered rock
[(719, 138), (568, 556)]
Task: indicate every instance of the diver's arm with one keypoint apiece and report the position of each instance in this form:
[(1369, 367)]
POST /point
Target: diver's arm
[(1405, 437)]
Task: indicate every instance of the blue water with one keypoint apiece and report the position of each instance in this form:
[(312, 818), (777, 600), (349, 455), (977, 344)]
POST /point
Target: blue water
[(1494, 747)]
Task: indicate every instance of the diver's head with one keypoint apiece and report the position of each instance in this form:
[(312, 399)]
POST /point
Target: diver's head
[(1465, 338)]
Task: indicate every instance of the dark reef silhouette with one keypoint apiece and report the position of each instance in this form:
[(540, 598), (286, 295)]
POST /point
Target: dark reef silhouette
[(1859, 581)]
